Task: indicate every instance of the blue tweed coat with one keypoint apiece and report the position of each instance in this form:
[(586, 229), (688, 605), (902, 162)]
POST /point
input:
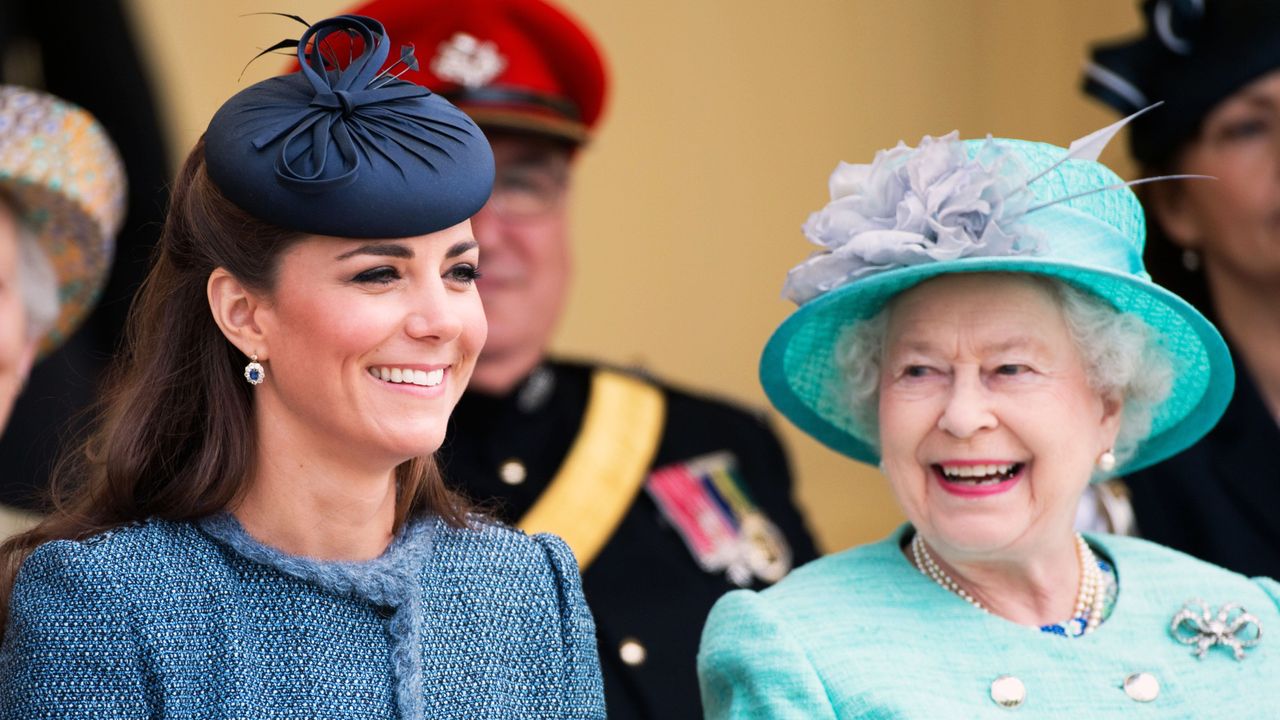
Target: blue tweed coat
[(179, 620), (863, 634)]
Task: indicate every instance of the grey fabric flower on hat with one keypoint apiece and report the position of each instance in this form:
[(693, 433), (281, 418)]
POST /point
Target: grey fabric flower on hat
[(912, 206)]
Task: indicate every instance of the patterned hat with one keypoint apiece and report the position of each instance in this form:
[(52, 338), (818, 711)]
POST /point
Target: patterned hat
[(518, 65), (980, 206), (344, 148), (59, 165)]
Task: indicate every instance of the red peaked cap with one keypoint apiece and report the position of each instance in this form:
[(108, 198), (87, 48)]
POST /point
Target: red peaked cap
[(531, 67)]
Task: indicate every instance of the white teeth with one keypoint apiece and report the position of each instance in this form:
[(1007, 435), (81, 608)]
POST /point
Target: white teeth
[(976, 471), (409, 376)]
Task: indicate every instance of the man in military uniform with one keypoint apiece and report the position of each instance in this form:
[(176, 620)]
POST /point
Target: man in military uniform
[(668, 499)]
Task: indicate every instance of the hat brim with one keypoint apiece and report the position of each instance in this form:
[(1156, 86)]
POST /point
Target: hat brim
[(68, 182), (518, 121), (801, 377), (77, 248)]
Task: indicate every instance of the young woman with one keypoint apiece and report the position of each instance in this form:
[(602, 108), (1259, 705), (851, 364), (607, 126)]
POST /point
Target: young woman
[(257, 527)]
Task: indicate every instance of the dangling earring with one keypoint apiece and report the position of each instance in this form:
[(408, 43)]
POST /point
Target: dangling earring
[(254, 372), (1191, 260), (1107, 461)]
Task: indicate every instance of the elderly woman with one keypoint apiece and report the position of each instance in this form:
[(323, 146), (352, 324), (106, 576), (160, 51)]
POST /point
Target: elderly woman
[(980, 325), (257, 527), (61, 203), (1216, 66)]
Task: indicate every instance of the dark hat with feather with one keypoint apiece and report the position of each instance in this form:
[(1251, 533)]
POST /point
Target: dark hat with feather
[(347, 148), (1192, 55)]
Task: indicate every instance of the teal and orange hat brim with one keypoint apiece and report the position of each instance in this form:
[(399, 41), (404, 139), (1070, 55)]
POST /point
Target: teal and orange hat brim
[(60, 167)]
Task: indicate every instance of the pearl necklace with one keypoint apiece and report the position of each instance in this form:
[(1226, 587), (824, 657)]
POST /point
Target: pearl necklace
[(1089, 601)]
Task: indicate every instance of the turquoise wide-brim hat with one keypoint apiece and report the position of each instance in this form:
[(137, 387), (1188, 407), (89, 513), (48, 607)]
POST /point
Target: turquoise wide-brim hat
[(980, 206)]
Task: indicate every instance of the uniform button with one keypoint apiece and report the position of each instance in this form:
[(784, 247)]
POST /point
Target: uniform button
[(1143, 687), (1008, 691), (513, 472), (632, 652)]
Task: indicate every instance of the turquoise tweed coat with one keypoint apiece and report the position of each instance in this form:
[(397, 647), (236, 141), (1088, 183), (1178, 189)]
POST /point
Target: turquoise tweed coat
[(180, 620), (863, 634)]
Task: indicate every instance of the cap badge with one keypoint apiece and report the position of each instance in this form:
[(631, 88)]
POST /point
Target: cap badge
[(465, 60)]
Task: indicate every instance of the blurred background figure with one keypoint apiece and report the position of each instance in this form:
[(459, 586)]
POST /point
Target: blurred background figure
[(1216, 66), (62, 190), (669, 499), (82, 51)]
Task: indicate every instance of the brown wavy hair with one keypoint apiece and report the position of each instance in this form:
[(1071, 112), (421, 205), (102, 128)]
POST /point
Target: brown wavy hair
[(174, 431)]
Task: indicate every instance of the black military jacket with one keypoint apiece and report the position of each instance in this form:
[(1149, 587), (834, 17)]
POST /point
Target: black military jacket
[(1219, 500), (649, 596)]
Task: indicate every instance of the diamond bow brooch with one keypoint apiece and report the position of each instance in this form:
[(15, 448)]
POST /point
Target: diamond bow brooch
[(1232, 626)]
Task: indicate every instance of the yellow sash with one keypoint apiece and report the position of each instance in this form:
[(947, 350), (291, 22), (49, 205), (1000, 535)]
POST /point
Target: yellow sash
[(605, 468)]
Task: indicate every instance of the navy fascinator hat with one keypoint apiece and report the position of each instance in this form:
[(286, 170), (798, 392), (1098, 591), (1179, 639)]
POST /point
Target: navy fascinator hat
[(349, 150)]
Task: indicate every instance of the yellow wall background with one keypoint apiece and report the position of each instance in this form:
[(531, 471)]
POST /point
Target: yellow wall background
[(726, 117)]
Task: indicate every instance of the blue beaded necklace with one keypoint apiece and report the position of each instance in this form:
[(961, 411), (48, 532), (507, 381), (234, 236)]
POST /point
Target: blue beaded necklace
[(1079, 625)]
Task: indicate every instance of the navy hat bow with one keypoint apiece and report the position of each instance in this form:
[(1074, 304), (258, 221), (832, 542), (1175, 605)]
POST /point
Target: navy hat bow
[(349, 150)]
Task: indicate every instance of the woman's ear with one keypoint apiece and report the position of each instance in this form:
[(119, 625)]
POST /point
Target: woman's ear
[(235, 309), (1177, 217), (1112, 414)]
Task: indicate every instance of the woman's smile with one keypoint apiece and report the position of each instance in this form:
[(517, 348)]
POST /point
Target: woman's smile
[(989, 427), (403, 313), (977, 478), (410, 376)]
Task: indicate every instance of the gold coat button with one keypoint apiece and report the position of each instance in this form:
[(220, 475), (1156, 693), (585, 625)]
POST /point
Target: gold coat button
[(512, 472), (1142, 687), (1008, 691), (632, 652)]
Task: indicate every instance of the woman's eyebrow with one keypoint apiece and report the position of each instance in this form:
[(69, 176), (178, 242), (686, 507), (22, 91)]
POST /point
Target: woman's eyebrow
[(460, 248), (929, 347), (1027, 343), (394, 250), (1259, 100)]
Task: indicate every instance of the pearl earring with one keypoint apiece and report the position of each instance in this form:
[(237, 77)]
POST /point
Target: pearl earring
[(1107, 461), (1190, 260), (254, 372)]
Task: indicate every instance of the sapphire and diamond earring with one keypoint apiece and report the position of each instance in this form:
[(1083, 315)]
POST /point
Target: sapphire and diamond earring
[(254, 372)]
